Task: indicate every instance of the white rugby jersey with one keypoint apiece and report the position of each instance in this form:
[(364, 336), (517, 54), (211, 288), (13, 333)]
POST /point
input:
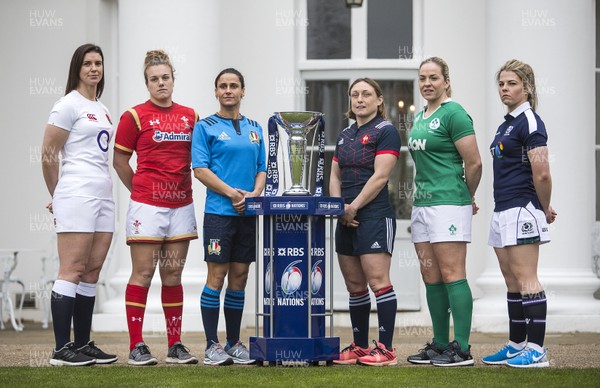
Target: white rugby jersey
[(84, 158)]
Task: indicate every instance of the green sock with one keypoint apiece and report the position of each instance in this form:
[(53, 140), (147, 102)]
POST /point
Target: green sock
[(437, 301), (461, 304)]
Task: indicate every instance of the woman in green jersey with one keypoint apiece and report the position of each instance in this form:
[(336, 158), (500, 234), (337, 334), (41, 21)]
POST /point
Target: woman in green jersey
[(448, 169)]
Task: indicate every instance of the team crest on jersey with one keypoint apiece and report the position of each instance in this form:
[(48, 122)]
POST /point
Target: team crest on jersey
[(341, 142), (364, 139), (224, 136), (185, 122), (214, 248), (254, 137), (435, 123), (508, 130)]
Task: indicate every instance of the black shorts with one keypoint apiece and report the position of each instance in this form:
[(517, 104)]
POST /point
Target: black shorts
[(229, 239), (371, 236)]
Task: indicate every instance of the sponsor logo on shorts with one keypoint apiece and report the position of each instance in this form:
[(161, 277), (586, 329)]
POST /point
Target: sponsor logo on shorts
[(375, 245), (214, 248)]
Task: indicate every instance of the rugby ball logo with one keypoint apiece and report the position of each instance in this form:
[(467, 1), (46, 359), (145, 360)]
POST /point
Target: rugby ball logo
[(291, 280), (316, 278)]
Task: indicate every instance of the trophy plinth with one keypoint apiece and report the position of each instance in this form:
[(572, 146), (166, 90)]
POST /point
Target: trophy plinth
[(297, 125)]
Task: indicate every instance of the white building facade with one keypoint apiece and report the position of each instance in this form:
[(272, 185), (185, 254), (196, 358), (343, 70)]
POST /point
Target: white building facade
[(302, 54)]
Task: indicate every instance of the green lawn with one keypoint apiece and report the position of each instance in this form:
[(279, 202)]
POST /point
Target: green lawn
[(351, 376)]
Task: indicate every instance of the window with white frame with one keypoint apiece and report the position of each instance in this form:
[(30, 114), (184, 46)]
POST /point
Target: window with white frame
[(375, 41)]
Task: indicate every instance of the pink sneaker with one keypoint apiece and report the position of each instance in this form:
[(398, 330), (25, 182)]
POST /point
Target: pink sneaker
[(350, 354), (379, 356)]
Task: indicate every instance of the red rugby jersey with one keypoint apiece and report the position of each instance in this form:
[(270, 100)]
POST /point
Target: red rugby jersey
[(161, 138)]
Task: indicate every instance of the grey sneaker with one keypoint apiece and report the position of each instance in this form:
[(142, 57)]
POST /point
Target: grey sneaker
[(215, 355), (239, 353), (140, 355), (179, 354), (426, 354)]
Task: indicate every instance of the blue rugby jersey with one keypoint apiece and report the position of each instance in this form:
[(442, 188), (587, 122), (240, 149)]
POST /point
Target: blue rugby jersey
[(522, 130), (234, 151), (355, 151)]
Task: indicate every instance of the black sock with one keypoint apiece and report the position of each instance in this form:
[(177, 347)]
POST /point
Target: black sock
[(62, 315), (82, 319), (360, 309), (386, 313), (209, 307), (517, 328), (535, 308)]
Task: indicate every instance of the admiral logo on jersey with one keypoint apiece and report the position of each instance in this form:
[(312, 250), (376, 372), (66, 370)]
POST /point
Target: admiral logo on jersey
[(171, 136)]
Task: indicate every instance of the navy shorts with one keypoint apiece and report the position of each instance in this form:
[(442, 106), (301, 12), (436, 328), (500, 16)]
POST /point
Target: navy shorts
[(229, 239), (374, 235)]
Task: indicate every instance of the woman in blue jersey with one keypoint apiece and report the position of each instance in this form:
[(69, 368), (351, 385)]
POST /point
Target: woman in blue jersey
[(365, 155), (448, 170), (229, 158), (522, 190), (79, 128)]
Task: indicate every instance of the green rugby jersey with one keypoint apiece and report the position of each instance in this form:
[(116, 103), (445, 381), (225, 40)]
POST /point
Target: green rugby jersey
[(440, 177)]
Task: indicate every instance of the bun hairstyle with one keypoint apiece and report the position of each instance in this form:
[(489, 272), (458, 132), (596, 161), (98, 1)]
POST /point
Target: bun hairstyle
[(525, 73), (445, 71), (157, 57)]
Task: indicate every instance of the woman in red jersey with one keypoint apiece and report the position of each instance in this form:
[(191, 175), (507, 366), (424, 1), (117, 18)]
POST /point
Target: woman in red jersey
[(160, 218)]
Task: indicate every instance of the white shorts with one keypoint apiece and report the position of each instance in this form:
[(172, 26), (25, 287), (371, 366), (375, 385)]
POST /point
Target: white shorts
[(441, 223), (518, 225), (83, 214), (154, 224)]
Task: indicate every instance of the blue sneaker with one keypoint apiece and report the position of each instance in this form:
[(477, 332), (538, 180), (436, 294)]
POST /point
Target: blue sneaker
[(530, 358), (499, 358)]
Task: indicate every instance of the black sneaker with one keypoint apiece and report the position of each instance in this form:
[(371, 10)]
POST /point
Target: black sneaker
[(454, 356), (91, 350), (425, 355), (68, 356), (179, 354)]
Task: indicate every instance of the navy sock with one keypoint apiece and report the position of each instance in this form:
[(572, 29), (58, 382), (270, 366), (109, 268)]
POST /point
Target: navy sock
[(386, 313), (209, 306), (62, 315), (82, 319), (233, 308), (517, 329), (535, 308), (360, 309)]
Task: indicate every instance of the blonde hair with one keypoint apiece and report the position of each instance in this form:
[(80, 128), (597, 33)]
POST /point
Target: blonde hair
[(445, 71), (378, 92), (525, 73), (157, 57)]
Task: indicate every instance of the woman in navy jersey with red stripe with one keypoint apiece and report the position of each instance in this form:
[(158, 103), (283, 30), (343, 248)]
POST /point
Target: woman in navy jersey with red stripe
[(522, 190), (365, 154)]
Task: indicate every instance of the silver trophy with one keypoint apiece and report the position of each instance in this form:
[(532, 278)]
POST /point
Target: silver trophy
[(297, 125)]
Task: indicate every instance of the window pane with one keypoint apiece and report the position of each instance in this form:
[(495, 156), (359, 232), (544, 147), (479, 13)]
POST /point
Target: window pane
[(330, 98), (400, 185), (389, 29), (328, 30)]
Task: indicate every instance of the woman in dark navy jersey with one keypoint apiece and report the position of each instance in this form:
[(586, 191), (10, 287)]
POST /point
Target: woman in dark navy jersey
[(365, 154), (522, 190)]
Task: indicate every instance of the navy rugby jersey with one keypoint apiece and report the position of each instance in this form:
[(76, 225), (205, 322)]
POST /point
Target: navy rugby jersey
[(355, 152), (522, 131)]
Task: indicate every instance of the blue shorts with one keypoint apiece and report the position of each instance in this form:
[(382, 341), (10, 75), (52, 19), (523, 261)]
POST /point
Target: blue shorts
[(229, 239), (374, 235)]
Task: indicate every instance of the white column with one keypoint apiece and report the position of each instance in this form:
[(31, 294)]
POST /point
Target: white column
[(554, 37), (188, 31)]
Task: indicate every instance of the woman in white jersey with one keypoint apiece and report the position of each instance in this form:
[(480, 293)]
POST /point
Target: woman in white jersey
[(79, 129)]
